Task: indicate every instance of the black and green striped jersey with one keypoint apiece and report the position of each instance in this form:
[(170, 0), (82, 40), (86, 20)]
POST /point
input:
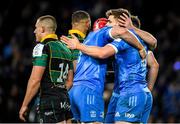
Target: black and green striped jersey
[(80, 36), (57, 58)]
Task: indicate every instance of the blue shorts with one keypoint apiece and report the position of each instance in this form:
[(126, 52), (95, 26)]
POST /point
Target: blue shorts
[(134, 107), (111, 108), (86, 104)]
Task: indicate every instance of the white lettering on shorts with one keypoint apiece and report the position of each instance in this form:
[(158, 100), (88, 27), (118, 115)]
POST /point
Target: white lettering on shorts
[(129, 115), (92, 114), (48, 113), (102, 114), (65, 105), (117, 114)]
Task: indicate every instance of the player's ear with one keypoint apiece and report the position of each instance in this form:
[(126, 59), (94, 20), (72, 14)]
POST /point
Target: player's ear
[(75, 23), (88, 23), (42, 29)]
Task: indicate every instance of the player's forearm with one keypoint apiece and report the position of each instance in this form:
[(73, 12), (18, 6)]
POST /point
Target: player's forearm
[(124, 33), (31, 91), (131, 39), (69, 81), (90, 50), (68, 85), (152, 76), (147, 37), (74, 65)]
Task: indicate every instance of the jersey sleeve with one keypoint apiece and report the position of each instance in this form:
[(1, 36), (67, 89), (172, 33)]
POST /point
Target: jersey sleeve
[(118, 45), (107, 33), (40, 55)]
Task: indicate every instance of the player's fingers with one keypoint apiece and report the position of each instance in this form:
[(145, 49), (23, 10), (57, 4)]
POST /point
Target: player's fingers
[(64, 38), (121, 21), (68, 47), (73, 36), (125, 16), (64, 41), (67, 42), (22, 117), (122, 25), (122, 17)]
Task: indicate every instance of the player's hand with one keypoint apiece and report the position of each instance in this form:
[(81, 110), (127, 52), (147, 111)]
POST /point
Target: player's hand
[(72, 43), (142, 53), (125, 21), (150, 88), (23, 112)]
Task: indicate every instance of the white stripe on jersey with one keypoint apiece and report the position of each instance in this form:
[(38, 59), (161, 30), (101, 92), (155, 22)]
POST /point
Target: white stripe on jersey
[(116, 50)]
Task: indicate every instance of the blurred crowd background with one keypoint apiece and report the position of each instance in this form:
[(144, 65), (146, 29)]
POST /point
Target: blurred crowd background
[(17, 20)]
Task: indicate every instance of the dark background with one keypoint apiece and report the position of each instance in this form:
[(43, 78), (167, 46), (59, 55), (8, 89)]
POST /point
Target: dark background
[(17, 20)]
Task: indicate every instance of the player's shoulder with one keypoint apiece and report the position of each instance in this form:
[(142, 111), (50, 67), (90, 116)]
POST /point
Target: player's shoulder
[(102, 29), (105, 28), (119, 41)]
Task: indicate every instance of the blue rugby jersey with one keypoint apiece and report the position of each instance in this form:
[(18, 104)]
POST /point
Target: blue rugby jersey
[(91, 71), (130, 69)]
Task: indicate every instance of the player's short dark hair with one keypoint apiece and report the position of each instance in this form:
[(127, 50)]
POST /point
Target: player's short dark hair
[(117, 12), (79, 15), (136, 21), (50, 21)]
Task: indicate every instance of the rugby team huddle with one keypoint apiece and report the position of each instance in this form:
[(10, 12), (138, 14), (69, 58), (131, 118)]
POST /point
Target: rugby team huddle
[(70, 70)]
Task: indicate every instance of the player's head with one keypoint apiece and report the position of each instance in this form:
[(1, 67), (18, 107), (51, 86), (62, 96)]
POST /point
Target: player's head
[(45, 25), (99, 23), (114, 14), (136, 22), (81, 19)]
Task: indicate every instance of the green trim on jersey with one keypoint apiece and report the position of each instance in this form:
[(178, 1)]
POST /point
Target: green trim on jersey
[(40, 61)]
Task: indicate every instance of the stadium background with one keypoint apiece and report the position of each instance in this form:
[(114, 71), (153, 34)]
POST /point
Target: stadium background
[(17, 20)]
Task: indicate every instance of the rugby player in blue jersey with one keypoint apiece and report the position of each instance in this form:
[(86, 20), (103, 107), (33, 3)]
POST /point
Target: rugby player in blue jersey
[(153, 68), (152, 63), (135, 100), (86, 95)]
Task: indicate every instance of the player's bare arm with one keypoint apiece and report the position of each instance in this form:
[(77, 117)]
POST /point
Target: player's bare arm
[(147, 37), (69, 81), (97, 52), (32, 89), (153, 70), (107, 51), (129, 37)]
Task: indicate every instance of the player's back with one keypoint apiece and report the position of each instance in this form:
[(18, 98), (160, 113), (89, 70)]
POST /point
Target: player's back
[(59, 61), (131, 69), (80, 36), (91, 71)]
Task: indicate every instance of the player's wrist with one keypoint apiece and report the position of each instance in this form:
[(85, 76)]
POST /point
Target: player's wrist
[(135, 28), (131, 26), (142, 50), (24, 105), (78, 46), (142, 53)]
